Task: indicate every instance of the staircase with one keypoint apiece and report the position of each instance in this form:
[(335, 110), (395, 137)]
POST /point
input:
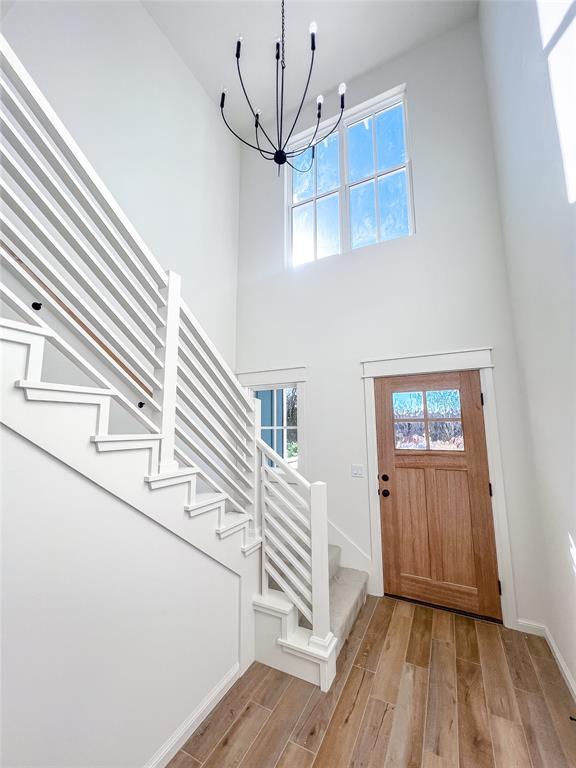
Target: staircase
[(106, 368)]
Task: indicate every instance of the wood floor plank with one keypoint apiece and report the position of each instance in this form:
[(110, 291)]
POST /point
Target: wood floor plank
[(364, 617), (443, 626), (230, 750), (520, 664), (391, 664), (314, 720), (406, 737), (373, 642), (373, 735), (295, 757), (420, 637), (474, 740), (441, 729), (268, 693), (466, 639), (336, 749), (182, 760), (560, 704), (541, 737), (272, 739), (510, 748), (538, 646), (209, 733), (497, 681)]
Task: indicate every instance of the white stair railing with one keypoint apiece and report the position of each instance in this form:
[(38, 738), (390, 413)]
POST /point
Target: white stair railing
[(66, 244), (294, 524)]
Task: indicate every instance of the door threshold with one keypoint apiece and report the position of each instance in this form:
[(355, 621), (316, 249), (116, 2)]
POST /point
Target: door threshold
[(469, 615)]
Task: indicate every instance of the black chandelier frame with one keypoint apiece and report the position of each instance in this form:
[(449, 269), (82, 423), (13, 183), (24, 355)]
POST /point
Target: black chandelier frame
[(278, 152)]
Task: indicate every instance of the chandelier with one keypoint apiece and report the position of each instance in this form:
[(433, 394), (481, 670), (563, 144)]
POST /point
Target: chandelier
[(275, 149)]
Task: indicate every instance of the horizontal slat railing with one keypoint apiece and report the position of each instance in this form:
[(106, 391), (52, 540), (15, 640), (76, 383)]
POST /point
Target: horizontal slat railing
[(294, 525)]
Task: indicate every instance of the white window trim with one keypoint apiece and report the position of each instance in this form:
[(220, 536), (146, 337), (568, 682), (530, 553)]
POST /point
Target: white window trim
[(279, 378), (352, 115)]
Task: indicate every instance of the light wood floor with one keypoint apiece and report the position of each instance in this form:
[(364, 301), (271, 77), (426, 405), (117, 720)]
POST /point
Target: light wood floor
[(416, 688)]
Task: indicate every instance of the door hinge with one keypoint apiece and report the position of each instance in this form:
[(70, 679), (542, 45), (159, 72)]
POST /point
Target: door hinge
[(490, 488), (499, 587), (482, 398)]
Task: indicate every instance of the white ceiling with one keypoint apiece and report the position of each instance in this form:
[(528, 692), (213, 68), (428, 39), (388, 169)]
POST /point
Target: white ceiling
[(353, 37)]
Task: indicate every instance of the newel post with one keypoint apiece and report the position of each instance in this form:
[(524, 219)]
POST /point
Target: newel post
[(322, 635), (169, 374)]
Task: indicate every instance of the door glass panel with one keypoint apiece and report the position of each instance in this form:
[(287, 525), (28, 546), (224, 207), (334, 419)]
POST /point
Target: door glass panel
[(280, 442), (446, 435), (443, 403), (265, 397), (279, 407), (267, 437), (408, 405), (409, 435), (291, 444)]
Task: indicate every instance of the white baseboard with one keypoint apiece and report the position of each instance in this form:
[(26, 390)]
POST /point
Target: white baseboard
[(534, 628), (171, 746)]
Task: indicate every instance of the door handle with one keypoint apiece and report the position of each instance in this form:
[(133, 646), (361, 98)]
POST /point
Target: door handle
[(385, 492)]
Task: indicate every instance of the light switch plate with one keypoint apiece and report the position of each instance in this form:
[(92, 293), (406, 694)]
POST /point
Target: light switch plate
[(357, 470)]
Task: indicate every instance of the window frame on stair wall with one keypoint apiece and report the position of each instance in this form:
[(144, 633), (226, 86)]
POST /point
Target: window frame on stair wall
[(283, 378), (368, 109)]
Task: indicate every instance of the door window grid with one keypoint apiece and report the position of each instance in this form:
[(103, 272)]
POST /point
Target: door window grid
[(399, 173), (428, 420), (279, 423)]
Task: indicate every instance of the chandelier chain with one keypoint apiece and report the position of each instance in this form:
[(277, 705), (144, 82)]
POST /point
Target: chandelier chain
[(283, 37)]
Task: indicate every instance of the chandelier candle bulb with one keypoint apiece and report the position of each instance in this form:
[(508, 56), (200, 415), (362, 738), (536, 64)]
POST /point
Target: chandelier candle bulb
[(222, 98), (278, 49), (313, 30), (238, 47), (342, 91), (319, 102)]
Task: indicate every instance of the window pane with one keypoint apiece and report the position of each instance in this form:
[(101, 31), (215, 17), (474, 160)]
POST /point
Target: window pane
[(267, 437), (291, 444), (360, 150), (303, 234), (265, 397), (362, 214), (328, 226), (393, 204), (279, 407), (443, 403), (302, 183), (409, 434), (279, 442), (446, 435), (327, 164), (408, 405), (291, 407), (390, 147)]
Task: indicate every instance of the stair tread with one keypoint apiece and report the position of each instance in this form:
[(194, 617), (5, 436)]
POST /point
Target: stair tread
[(182, 472), (235, 518), (205, 498)]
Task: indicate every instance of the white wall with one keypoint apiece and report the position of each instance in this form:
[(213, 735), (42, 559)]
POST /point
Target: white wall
[(104, 650), (540, 235), (443, 289), (151, 132)]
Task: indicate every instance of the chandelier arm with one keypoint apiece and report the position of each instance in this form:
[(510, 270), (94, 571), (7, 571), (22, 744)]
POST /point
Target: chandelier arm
[(262, 151), (250, 103), (301, 170), (252, 146), (301, 151), (301, 102), (331, 131)]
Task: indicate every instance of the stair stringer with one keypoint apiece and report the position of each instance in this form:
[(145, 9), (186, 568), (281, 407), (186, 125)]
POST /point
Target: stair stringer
[(63, 420)]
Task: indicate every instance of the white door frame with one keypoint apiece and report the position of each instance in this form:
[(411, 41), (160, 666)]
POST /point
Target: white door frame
[(440, 362)]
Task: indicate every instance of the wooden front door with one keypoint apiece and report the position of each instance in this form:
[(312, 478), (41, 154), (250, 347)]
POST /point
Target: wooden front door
[(437, 528)]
